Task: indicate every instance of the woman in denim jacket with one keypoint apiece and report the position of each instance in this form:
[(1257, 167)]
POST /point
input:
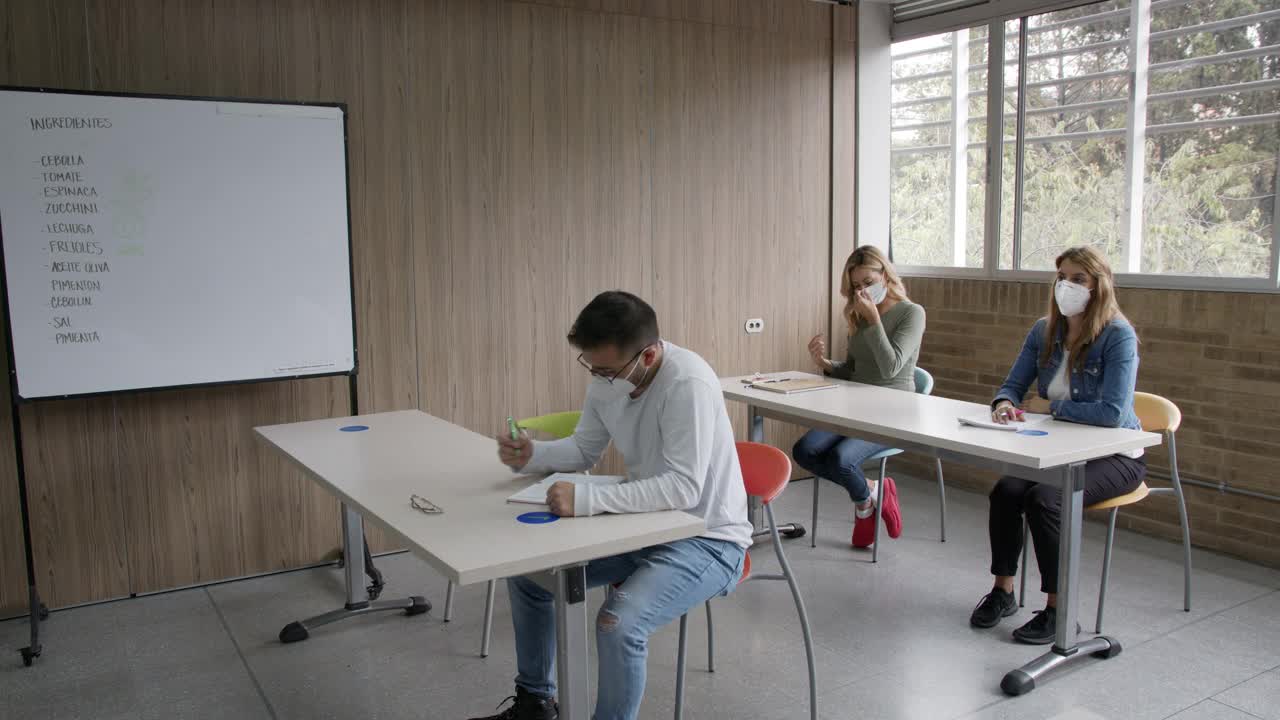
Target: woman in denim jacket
[(1084, 359)]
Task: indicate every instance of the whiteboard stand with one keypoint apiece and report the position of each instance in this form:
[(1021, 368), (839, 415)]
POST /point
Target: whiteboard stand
[(38, 611), (361, 600)]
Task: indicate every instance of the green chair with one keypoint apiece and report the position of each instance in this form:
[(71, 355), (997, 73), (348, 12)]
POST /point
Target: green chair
[(559, 426), (924, 386)]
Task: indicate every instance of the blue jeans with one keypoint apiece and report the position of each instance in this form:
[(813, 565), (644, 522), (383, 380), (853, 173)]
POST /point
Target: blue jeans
[(838, 459), (658, 585)]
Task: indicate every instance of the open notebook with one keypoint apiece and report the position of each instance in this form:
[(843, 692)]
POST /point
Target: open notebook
[(536, 494), (984, 420)]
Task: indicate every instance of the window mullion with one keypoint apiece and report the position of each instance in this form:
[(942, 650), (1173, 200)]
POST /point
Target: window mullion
[(995, 145), (1019, 144), (1136, 135), (959, 145), (1275, 226)]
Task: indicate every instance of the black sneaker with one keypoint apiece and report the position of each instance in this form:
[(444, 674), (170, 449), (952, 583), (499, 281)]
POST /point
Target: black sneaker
[(526, 706), (1041, 628), (994, 606)]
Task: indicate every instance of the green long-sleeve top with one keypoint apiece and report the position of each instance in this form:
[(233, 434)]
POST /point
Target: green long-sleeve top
[(885, 354)]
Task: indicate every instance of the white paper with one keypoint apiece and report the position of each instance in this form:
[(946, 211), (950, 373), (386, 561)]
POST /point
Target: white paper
[(985, 421), (536, 494)]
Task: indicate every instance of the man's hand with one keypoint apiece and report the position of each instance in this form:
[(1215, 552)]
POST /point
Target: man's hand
[(517, 453), (560, 499)]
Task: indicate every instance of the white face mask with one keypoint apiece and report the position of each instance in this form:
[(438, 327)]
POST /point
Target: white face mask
[(1072, 298), (877, 293), (621, 385)]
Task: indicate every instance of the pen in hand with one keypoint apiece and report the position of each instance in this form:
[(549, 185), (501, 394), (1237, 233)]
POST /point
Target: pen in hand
[(514, 447)]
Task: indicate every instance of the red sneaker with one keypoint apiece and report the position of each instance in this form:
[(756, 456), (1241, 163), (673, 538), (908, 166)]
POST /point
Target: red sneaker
[(891, 513), (864, 530)]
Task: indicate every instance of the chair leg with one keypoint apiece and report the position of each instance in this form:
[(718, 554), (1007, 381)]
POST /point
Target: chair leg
[(942, 501), (804, 616), (1106, 568), (487, 634), (711, 641), (1186, 527), (813, 527), (875, 547), (1022, 592), (448, 602), (681, 655)]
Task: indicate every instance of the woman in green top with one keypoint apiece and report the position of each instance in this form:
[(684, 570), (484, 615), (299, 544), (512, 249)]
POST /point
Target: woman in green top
[(885, 329)]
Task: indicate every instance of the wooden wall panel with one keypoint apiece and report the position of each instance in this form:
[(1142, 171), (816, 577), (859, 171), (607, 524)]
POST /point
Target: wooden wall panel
[(41, 45), (77, 502), (459, 113), (508, 160), (741, 219)]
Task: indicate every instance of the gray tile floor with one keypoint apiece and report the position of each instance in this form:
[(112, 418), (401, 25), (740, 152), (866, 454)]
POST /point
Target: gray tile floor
[(893, 641)]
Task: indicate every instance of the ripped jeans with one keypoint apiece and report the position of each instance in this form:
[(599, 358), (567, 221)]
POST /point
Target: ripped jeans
[(658, 585)]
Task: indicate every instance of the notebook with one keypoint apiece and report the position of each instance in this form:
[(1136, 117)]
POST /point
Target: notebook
[(984, 421), (788, 386), (536, 494)]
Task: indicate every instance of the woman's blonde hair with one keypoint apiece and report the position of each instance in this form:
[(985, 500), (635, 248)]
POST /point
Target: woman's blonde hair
[(872, 258), (1102, 307)]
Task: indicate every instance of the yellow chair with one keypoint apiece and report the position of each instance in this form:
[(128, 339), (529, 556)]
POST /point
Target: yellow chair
[(1157, 414), (559, 426)]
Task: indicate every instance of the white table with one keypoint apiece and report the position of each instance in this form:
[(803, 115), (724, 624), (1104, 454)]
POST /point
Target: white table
[(477, 538), (928, 425)]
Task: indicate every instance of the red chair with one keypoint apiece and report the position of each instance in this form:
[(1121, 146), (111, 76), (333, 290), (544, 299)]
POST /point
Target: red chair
[(766, 470)]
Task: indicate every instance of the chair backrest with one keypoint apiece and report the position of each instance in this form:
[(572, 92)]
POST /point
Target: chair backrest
[(766, 470), (924, 381), (1157, 414), (558, 425)]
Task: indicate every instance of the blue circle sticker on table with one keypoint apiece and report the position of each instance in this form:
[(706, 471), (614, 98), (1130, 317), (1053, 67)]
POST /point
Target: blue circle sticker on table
[(537, 518), (354, 428), (1034, 433)]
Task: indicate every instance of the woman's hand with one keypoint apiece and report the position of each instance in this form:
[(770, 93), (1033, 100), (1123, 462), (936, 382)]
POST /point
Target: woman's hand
[(1037, 404), (1004, 413), (865, 309), (818, 351)]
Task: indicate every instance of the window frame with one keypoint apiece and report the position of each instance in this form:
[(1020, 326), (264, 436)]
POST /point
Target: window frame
[(1135, 133)]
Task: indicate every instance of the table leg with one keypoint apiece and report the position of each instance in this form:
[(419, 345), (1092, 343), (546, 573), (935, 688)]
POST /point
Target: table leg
[(357, 597), (572, 653), (1067, 648), (755, 511)]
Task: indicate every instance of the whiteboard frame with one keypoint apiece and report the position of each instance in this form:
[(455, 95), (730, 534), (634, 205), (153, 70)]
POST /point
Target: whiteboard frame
[(18, 399)]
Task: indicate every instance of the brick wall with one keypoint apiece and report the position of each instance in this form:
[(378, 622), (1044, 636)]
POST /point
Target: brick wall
[(1217, 355)]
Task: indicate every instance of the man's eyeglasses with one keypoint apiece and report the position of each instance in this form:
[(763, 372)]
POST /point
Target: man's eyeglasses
[(609, 375), (420, 503)]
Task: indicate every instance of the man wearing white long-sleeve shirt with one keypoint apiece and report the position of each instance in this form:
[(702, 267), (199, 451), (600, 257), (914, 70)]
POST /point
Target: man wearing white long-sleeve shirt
[(662, 407)]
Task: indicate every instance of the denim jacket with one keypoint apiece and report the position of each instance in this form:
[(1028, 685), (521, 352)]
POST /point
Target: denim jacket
[(1101, 388)]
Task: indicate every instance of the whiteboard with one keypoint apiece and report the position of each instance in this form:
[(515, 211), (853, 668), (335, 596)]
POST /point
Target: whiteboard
[(153, 242)]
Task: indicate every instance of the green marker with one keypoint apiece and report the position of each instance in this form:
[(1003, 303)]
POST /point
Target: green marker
[(515, 429)]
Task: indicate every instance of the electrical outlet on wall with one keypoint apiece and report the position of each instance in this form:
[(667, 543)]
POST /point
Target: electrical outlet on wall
[(754, 326)]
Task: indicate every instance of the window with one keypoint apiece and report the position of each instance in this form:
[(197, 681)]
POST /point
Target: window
[(1195, 84), (939, 92)]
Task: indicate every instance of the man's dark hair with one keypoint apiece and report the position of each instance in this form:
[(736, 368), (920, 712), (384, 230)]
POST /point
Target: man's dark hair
[(615, 318)]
